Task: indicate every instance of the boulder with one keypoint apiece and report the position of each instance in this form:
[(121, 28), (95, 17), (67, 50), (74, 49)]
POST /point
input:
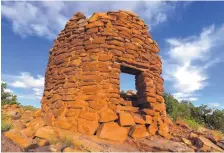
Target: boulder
[(163, 130), (138, 118), (33, 127), (138, 131), (108, 115), (205, 144), (19, 139), (63, 123), (163, 145), (186, 141), (46, 132), (148, 119), (87, 126), (112, 131), (62, 134), (126, 119), (14, 114), (153, 128)]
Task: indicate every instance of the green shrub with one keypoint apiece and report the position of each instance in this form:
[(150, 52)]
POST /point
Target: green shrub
[(194, 116), (7, 97), (216, 120), (192, 123), (6, 124), (29, 107)]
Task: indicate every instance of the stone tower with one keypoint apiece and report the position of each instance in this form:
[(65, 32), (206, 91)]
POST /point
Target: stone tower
[(82, 86)]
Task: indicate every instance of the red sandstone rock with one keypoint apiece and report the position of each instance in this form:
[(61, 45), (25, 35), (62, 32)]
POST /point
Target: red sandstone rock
[(138, 131), (163, 130), (138, 118), (46, 132), (63, 123), (148, 119), (126, 119), (87, 127), (97, 105), (112, 131), (153, 128), (150, 112), (108, 115), (33, 127), (19, 139), (88, 115)]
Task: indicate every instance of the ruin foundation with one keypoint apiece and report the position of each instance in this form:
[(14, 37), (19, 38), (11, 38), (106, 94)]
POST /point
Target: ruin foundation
[(82, 86)]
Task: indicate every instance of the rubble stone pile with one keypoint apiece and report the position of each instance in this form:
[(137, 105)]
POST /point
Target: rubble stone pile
[(82, 85)]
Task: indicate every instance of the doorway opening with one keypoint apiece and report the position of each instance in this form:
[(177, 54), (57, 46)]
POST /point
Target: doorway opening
[(128, 90)]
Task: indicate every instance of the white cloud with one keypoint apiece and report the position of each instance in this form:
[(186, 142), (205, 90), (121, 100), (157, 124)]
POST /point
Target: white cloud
[(46, 19), (214, 104), (184, 96), (188, 60), (26, 82), (38, 92), (18, 84), (29, 97)]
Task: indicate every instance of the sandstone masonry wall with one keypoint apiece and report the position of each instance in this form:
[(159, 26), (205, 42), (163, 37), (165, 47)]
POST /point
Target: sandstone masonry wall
[(82, 91)]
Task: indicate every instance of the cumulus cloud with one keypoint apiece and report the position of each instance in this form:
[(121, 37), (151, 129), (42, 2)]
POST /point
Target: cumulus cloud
[(185, 96), (214, 104), (26, 82), (188, 60), (46, 19)]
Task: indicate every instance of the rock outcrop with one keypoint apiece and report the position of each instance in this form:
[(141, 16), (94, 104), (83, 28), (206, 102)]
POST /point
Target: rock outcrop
[(82, 76), (30, 134)]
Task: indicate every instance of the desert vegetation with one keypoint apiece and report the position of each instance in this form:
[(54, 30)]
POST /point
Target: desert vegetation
[(194, 116), (7, 97)]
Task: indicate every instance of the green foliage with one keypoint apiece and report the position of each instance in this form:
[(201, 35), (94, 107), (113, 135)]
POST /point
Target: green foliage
[(176, 109), (216, 120), (194, 116), (6, 97), (29, 107), (6, 124), (192, 123)]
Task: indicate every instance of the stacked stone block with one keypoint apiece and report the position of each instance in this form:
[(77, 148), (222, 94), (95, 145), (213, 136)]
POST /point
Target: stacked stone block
[(82, 86)]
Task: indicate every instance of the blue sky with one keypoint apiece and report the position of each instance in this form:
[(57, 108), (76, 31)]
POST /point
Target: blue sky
[(190, 36)]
